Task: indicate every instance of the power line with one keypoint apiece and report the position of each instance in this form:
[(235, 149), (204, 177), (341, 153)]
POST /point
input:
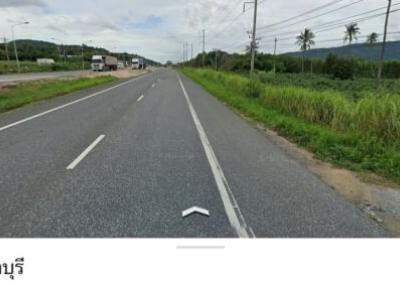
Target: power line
[(219, 32), (331, 40), (320, 15), (361, 14), (336, 23), (229, 12), (303, 14)]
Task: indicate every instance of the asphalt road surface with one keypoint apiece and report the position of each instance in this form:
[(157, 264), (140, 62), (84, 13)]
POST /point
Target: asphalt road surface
[(125, 159)]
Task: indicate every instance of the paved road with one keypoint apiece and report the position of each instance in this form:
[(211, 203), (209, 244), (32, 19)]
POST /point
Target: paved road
[(158, 144), (40, 75)]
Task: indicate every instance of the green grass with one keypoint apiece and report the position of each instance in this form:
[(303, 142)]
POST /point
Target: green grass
[(28, 66), (30, 92), (353, 89), (336, 129)]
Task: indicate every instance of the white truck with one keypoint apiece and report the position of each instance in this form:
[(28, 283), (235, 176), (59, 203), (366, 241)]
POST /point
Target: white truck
[(104, 63), (138, 63)]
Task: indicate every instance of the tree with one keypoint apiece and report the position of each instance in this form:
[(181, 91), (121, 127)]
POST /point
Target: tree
[(352, 30), (248, 47), (330, 61), (305, 41), (372, 39)]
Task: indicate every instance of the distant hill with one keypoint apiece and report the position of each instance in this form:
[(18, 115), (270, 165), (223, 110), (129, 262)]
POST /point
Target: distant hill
[(30, 50), (362, 51)]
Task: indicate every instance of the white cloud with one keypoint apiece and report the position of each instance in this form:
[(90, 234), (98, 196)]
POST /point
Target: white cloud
[(114, 24), (20, 3)]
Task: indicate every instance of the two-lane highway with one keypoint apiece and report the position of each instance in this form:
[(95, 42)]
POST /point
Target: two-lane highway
[(124, 160)]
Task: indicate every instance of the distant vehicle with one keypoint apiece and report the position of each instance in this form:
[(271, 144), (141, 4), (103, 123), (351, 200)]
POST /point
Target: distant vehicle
[(104, 63), (121, 65), (138, 63), (44, 61)]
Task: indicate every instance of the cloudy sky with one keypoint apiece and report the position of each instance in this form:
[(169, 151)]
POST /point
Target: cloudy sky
[(158, 28)]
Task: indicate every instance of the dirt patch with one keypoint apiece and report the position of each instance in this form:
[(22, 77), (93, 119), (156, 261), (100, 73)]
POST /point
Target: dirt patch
[(122, 73), (8, 85), (374, 195)]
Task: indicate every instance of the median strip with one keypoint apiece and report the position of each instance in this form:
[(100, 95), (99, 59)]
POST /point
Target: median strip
[(67, 104), (85, 153)]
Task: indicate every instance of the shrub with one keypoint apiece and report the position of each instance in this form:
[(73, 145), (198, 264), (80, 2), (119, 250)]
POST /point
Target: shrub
[(265, 77), (317, 107), (378, 116), (343, 69), (253, 88)]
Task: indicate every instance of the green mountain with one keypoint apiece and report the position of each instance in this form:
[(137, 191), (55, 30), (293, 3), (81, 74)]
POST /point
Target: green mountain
[(362, 51), (30, 50)]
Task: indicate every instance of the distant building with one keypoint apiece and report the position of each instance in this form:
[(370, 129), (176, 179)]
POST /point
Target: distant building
[(44, 61)]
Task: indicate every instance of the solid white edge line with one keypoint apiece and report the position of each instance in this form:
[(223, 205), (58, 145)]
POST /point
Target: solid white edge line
[(232, 210), (85, 153), (140, 98), (68, 104)]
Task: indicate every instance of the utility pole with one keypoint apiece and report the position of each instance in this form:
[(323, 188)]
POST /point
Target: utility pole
[(276, 40), (253, 35), (384, 41), (83, 59), (191, 51), (216, 59), (183, 53), (15, 43), (187, 51), (204, 47), (6, 49)]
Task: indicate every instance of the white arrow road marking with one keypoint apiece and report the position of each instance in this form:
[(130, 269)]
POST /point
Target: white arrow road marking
[(140, 98), (85, 153), (195, 209), (232, 210)]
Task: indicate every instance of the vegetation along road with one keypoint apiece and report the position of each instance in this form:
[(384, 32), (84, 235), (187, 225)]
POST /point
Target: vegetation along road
[(126, 159)]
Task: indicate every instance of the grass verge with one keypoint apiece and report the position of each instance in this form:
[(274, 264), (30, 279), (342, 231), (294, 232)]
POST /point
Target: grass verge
[(350, 149), (29, 66), (29, 92)]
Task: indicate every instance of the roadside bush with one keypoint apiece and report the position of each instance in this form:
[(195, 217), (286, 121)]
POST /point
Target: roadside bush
[(378, 116), (330, 62), (265, 77), (371, 116), (369, 136), (317, 107), (343, 69), (253, 88)]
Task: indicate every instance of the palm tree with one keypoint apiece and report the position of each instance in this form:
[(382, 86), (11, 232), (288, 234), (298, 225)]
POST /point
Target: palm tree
[(372, 39), (305, 41), (352, 30)]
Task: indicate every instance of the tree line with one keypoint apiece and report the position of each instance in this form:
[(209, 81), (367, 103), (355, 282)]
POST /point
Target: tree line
[(30, 50)]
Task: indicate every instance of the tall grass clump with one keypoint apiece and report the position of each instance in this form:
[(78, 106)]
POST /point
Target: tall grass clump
[(313, 106), (378, 116), (363, 135), (372, 115), (253, 88)]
